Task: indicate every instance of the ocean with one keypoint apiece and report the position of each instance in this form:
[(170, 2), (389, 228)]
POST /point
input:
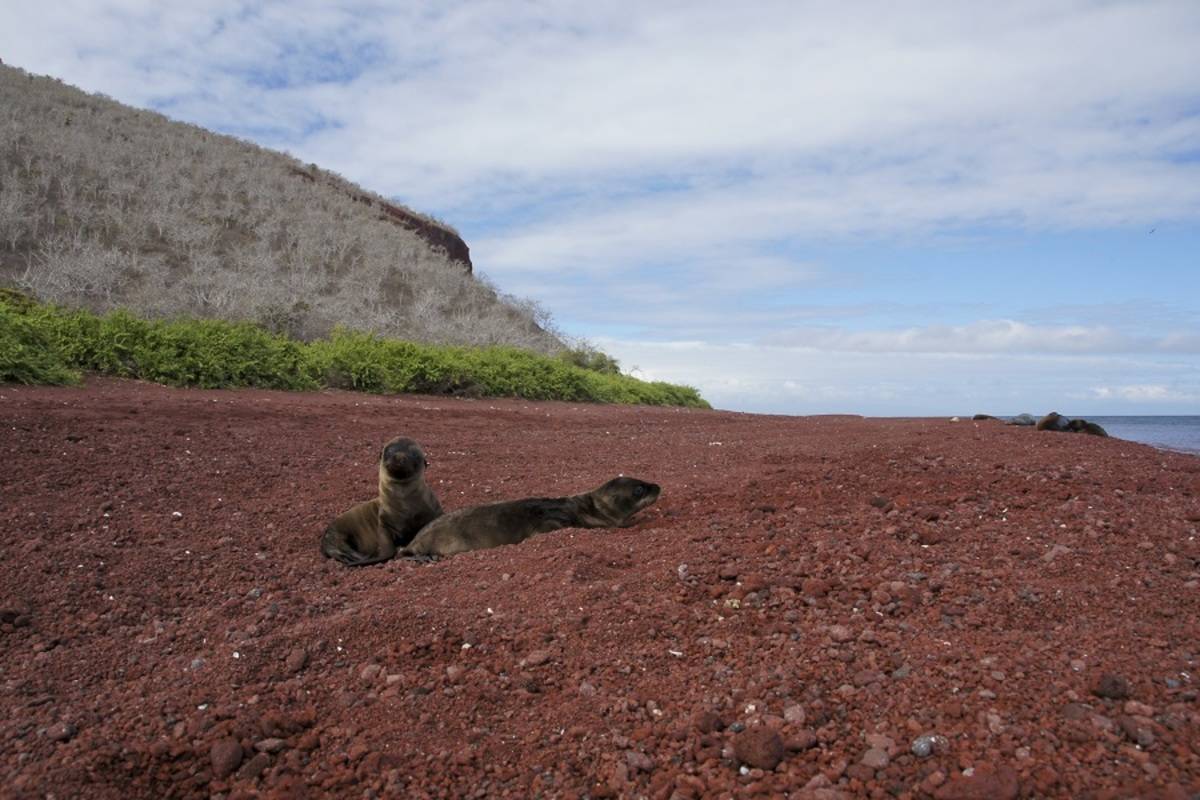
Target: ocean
[(1169, 433)]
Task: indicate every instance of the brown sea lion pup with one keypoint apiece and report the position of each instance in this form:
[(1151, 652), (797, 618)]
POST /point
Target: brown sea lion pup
[(480, 527), (370, 532)]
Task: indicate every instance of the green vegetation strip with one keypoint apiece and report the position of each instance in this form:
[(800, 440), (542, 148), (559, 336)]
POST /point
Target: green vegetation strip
[(46, 344)]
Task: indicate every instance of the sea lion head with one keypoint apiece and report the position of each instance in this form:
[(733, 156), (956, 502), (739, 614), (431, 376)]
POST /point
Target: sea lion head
[(402, 459), (624, 497)]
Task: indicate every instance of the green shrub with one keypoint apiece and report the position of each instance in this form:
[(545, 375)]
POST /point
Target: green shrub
[(28, 353), (213, 354), (46, 344), (366, 363), (588, 357)]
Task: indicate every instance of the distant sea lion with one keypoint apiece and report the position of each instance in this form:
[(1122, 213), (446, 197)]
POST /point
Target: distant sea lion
[(1083, 426), (370, 532), (1023, 419), (481, 527), (981, 417), (1053, 422)]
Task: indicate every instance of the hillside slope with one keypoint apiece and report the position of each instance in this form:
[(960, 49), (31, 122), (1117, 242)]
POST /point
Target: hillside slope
[(103, 205), (838, 587)]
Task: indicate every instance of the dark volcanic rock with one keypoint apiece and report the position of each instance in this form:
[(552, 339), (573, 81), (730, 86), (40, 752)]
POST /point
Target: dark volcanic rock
[(226, 755), (759, 747), (297, 660), (1110, 686), (61, 731)]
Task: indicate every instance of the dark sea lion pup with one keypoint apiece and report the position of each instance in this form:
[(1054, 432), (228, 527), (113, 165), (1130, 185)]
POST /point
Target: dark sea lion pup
[(370, 532), (480, 527), (1053, 421), (1083, 426)]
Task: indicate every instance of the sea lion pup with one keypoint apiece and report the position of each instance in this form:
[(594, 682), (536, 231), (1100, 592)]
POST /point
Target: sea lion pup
[(1083, 426), (480, 527), (370, 532), (1053, 421)]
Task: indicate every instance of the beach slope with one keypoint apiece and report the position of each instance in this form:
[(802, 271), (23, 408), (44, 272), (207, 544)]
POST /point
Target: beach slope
[(808, 597)]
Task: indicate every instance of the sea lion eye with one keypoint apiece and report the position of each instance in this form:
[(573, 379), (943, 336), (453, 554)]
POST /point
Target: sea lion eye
[(638, 491)]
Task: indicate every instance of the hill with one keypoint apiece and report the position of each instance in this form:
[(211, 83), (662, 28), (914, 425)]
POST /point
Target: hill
[(807, 599), (105, 206)]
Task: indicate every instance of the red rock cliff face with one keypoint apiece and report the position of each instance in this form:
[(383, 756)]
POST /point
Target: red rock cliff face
[(436, 235)]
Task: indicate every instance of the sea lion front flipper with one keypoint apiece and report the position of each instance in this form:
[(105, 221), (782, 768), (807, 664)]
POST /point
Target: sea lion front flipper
[(360, 560), (366, 562), (339, 545), (420, 558)]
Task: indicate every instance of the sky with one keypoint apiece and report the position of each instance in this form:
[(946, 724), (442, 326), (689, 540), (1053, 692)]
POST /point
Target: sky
[(884, 208)]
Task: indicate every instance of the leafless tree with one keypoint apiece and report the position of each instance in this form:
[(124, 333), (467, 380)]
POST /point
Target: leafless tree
[(103, 205)]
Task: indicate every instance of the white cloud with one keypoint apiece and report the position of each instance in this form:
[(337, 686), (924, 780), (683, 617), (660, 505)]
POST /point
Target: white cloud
[(667, 168), (1146, 393), (808, 381), (987, 336), (837, 118)]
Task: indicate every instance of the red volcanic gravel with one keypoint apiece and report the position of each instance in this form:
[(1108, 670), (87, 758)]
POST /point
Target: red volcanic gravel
[(811, 601)]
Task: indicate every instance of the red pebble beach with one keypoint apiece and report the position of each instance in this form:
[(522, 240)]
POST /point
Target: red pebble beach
[(817, 607)]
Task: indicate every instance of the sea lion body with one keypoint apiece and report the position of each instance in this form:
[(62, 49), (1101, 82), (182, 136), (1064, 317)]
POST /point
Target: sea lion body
[(371, 531), (1083, 426), (1054, 422), (481, 527), (1023, 419), (1057, 422)]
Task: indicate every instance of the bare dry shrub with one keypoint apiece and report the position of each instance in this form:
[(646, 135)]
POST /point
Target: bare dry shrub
[(102, 205), (78, 272)]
